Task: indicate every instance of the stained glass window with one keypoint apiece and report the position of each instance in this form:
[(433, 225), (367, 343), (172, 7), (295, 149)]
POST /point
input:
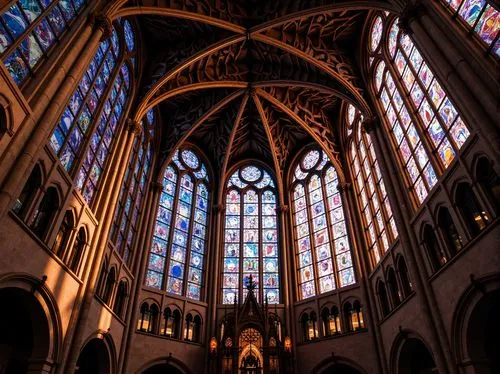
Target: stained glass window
[(426, 129), (29, 29), (376, 34), (93, 116), (250, 237), (380, 227), (322, 245), (180, 236), (481, 16), (129, 209)]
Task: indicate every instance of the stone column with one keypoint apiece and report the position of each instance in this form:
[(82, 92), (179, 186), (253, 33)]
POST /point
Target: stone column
[(19, 172), (478, 104), (363, 271), (108, 205), (286, 261), (402, 215), (148, 225)]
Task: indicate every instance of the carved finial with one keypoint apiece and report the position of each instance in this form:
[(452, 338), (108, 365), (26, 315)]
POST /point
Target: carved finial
[(251, 284), (369, 124), (134, 126), (409, 14)]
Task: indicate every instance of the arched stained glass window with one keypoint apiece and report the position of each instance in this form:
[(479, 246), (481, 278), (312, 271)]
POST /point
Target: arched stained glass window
[(480, 16), (322, 244), (129, 207), (378, 221), (426, 129), (250, 236), (93, 115), (29, 29), (180, 235)]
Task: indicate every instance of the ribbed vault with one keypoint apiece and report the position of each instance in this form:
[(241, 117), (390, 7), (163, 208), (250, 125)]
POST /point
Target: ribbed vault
[(250, 78)]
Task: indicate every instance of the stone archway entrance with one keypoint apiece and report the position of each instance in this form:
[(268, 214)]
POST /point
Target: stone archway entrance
[(482, 332), (415, 358), (94, 358), (24, 333), (162, 369)]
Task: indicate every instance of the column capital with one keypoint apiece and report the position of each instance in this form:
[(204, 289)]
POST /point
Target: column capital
[(344, 186), (218, 208), (283, 209), (134, 126), (410, 13), (156, 186), (369, 124), (103, 22)]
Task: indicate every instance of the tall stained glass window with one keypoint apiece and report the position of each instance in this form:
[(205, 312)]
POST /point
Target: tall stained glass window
[(378, 222), (125, 224), (179, 242), (94, 113), (425, 127), (322, 245), (29, 29), (250, 236), (482, 17)]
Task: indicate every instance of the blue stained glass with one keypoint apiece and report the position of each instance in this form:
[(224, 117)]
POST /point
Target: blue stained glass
[(5, 39), (151, 116), (31, 50), (16, 67), (44, 34), (57, 20), (15, 21), (129, 36), (67, 9)]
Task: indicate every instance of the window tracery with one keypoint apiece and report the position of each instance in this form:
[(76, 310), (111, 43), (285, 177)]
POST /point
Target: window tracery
[(129, 209), (378, 221), (480, 17), (426, 129), (251, 236), (29, 30), (322, 244), (179, 240), (84, 120)]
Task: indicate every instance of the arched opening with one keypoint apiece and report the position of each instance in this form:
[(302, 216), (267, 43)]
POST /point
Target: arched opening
[(197, 329), (357, 319), (162, 369), (43, 216), (415, 358), (77, 252), (382, 298), (482, 332), (472, 212), (63, 234), (29, 191), (24, 332), (392, 282), (94, 358), (404, 277), (331, 321), (109, 286), (489, 180), (121, 296), (434, 253), (450, 233), (340, 369)]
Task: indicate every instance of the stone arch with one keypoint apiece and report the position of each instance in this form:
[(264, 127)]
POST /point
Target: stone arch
[(30, 306), (475, 325), (98, 355), (410, 354), (338, 365), (167, 364)]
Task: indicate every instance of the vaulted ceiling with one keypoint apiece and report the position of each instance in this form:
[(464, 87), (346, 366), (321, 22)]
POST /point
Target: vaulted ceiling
[(250, 78)]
